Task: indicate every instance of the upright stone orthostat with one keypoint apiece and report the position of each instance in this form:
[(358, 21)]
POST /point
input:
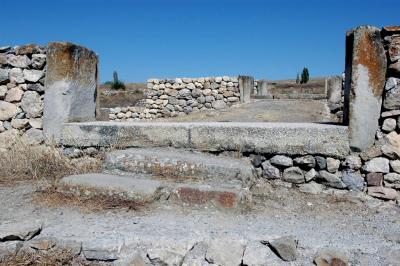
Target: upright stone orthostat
[(70, 85), (365, 80), (334, 89), (246, 86), (262, 88)]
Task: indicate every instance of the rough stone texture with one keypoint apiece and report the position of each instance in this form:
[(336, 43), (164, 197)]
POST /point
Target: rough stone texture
[(22, 231), (293, 175), (374, 179), (280, 160), (177, 164), (285, 248), (272, 138), (334, 91), (246, 86), (378, 165), (332, 180), (311, 188), (331, 258), (353, 181), (118, 186), (365, 79), (332, 165), (32, 104), (8, 110), (270, 171), (262, 88), (71, 87), (224, 252), (383, 193)]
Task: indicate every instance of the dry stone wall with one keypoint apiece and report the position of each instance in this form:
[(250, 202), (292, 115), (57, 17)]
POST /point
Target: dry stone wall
[(182, 96), (22, 72)]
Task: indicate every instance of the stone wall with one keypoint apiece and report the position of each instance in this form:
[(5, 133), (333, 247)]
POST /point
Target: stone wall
[(181, 96), (22, 72)]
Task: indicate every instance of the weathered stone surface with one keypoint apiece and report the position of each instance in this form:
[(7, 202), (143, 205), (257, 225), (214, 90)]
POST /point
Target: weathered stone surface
[(262, 88), (307, 161), (32, 104), (352, 162), (391, 100), (34, 136), (382, 193), (246, 86), (19, 123), (11, 231), (8, 138), (332, 165), (311, 174), (160, 256), (16, 75), (8, 110), (33, 75), (257, 254), (353, 181), (392, 146), (389, 124), (272, 138), (270, 171), (218, 105), (196, 256), (129, 188), (377, 165), (21, 61), (38, 61), (365, 79), (374, 179), (3, 91), (102, 249), (178, 164), (71, 87), (332, 180), (392, 178), (29, 49), (224, 252), (285, 248), (321, 162), (311, 188), (36, 123), (293, 175), (281, 160), (9, 248), (4, 75), (331, 258), (14, 95), (334, 90)]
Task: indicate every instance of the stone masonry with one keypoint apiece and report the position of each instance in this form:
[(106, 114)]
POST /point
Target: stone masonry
[(22, 72), (181, 96)]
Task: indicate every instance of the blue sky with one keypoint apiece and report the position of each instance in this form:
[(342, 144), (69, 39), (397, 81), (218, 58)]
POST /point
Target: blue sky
[(155, 38)]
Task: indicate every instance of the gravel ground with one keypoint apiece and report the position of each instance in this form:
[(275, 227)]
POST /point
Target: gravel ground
[(365, 229)]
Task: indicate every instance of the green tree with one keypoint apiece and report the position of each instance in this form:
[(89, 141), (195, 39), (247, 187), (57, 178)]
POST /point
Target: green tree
[(305, 76), (117, 84)]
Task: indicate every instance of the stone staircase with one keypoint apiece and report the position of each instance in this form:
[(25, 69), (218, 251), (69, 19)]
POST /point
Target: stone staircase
[(147, 175)]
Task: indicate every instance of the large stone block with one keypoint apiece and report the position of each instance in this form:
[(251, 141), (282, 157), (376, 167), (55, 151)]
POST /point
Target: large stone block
[(366, 66), (262, 88), (246, 86), (334, 89), (70, 85)]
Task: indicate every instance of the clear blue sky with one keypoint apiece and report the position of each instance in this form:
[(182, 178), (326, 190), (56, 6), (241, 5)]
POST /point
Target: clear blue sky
[(192, 38)]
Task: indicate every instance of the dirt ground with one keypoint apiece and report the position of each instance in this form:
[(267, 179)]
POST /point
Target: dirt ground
[(266, 111), (365, 229)]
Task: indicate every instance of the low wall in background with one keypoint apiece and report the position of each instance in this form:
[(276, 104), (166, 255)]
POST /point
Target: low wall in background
[(22, 73)]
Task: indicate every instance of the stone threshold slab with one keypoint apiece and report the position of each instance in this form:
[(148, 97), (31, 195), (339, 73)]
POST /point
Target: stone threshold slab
[(269, 138)]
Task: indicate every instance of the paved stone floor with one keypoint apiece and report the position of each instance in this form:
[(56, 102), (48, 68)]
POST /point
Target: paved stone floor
[(365, 229), (278, 110)]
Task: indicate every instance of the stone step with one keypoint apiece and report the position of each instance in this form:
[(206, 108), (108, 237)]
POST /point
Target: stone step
[(178, 164), (145, 190), (98, 184), (271, 138)]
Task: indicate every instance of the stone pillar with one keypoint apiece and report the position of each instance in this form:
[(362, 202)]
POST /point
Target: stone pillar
[(365, 79), (262, 88), (246, 86), (334, 89), (70, 87)]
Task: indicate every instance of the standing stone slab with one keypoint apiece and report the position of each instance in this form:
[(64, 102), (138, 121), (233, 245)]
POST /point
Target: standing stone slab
[(365, 79), (70, 85), (246, 86), (262, 88), (334, 89)]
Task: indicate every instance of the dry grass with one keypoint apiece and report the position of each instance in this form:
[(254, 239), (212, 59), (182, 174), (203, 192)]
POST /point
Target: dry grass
[(51, 258), (55, 199), (40, 163)]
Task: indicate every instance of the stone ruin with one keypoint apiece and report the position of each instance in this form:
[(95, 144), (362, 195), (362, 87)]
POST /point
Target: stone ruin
[(58, 84)]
